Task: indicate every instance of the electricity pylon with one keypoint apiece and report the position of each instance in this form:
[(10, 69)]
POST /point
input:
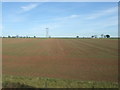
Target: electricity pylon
[(47, 32)]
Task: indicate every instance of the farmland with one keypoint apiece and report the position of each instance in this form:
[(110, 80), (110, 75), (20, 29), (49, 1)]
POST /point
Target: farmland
[(72, 59)]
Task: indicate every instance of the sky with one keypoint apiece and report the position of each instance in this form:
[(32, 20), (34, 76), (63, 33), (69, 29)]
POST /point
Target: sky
[(64, 19)]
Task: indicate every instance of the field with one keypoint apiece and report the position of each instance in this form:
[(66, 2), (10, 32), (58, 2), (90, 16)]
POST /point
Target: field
[(72, 59)]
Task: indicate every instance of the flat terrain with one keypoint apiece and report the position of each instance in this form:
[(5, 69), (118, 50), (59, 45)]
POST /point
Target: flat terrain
[(77, 59)]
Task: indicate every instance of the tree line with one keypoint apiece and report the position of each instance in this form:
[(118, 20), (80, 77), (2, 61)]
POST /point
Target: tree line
[(19, 36), (95, 36)]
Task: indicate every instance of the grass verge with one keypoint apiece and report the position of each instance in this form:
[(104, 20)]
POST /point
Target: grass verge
[(10, 81)]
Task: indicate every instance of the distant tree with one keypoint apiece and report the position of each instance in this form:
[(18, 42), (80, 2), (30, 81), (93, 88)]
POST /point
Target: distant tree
[(13, 36), (107, 36), (92, 36), (26, 36), (95, 36), (34, 36), (17, 36), (49, 36), (102, 35), (77, 36), (9, 37)]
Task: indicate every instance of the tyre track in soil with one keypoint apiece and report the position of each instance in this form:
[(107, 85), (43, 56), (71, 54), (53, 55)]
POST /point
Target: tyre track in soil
[(96, 47), (95, 63), (57, 63), (113, 61), (99, 64), (79, 49), (111, 45), (75, 49), (54, 53), (62, 66), (60, 62), (57, 55)]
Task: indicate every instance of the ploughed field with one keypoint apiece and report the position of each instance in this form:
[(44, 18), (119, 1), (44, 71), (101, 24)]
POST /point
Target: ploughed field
[(77, 59)]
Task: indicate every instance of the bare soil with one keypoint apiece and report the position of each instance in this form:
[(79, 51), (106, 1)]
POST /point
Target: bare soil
[(80, 59)]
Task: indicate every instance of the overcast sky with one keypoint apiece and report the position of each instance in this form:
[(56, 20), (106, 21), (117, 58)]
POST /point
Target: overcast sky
[(62, 18)]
